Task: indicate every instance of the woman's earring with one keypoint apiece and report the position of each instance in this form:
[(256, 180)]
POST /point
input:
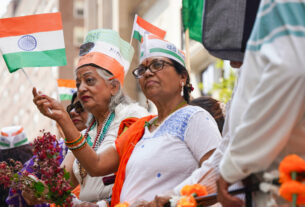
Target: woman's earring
[(182, 91)]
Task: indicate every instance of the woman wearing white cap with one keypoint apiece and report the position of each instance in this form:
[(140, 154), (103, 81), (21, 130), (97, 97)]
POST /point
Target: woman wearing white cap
[(104, 59), (155, 153), (13, 145)]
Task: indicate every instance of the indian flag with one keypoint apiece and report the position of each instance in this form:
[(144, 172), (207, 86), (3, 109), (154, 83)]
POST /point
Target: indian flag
[(141, 26), (66, 88), (32, 41)]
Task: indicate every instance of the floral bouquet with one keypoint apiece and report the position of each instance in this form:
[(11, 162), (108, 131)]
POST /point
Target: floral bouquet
[(53, 183)]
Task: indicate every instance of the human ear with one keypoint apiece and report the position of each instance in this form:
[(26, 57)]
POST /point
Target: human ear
[(114, 87)]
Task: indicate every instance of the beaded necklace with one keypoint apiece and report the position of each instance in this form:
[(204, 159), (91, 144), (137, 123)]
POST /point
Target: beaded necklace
[(97, 141)]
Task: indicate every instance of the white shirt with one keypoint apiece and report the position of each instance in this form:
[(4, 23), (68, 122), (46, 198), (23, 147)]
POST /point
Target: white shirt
[(268, 110), (168, 155), (93, 188), (208, 172)]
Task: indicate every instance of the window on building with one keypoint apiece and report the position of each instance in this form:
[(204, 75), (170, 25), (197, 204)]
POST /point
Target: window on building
[(78, 36), (78, 8)]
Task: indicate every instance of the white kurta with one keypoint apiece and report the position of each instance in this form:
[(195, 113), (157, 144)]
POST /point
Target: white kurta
[(168, 155), (267, 117), (208, 172), (93, 188)]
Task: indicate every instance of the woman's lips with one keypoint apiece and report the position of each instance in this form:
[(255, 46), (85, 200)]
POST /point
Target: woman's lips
[(150, 83), (76, 120), (85, 98)]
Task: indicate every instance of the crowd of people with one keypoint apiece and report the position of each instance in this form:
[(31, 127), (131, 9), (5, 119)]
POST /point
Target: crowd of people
[(116, 152)]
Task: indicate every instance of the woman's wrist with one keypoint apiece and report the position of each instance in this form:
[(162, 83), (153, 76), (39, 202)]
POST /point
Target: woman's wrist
[(64, 119)]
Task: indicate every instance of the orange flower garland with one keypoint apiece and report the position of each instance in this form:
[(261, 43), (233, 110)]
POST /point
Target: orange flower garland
[(291, 189), (291, 163), (187, 201), (188, 193), (196, 190), (125, 204)]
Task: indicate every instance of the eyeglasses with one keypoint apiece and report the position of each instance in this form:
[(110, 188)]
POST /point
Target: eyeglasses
[(77, 106), (153, 67)]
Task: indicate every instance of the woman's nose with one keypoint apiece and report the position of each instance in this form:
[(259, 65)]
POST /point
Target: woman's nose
[(81, 87), (148, 73), (73, 113)]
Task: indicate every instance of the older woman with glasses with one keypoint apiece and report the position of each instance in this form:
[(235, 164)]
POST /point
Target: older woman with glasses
[(156, 153), (104, 58), (77, 113)]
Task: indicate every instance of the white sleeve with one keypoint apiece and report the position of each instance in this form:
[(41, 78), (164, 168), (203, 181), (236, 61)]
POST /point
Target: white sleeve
[(202, 134), (208, 173), (275, 106)]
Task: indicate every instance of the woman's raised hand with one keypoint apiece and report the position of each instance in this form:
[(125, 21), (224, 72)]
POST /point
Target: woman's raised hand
[(49, 106)]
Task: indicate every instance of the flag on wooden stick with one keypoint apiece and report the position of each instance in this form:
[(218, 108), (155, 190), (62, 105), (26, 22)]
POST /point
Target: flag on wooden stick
[(32, 41)]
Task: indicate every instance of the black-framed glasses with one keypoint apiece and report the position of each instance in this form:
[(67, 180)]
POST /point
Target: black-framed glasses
[(153, 67), (77, 106)]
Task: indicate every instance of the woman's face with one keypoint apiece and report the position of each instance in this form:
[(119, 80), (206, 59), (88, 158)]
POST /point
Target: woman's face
[(78, 115), (93, 91), (165, 83)]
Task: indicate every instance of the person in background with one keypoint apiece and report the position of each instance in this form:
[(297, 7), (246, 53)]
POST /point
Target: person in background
[(104, 59), (268, 109), (14, 145), (213, 107), (79, 117), (77, 113)]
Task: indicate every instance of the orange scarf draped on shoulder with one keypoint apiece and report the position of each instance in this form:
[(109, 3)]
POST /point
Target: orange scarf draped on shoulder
[(125, 144)]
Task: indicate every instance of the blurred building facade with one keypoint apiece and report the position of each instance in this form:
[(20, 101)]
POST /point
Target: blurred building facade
[(80, 16), (17, 107)]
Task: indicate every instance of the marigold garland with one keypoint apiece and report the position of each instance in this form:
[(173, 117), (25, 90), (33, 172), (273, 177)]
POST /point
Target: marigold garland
[(196, 190), (293, 187), (291, 163), (187, 201), (125, 204)]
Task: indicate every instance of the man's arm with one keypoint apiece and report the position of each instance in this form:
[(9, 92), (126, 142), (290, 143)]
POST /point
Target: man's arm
[(275, 107)]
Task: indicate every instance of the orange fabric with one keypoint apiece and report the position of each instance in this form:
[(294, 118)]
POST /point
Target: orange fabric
[(76, 191), (125, 145), (30, 24), (104, 61)]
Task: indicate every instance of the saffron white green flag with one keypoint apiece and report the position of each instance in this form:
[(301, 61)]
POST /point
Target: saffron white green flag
[(66, 88), (141, 27), (32, 41)]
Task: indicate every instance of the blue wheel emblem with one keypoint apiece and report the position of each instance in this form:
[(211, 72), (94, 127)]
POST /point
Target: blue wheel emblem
[(27, 43)]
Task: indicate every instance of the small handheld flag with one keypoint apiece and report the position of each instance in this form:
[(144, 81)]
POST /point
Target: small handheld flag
[(141, 27), (32, 41), (66, 88)]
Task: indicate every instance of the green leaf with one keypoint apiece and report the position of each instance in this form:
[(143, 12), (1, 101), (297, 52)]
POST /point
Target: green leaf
[(66, 175), (39, 187)]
